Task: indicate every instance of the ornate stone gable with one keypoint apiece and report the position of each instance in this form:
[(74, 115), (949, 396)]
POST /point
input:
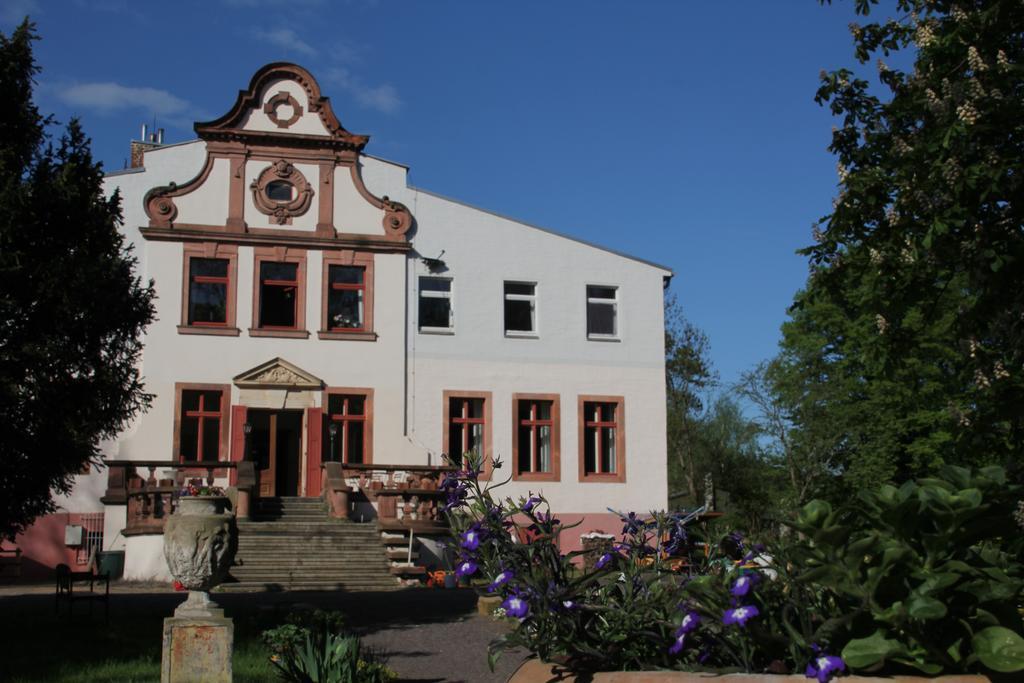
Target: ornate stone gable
[(277, 162), (277, 374)]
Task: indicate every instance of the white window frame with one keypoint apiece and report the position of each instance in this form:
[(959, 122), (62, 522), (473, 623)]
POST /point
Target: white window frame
[(432, 294), (616, 335), (534, 317)]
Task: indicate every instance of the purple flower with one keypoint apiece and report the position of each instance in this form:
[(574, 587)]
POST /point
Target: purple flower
[(569, 604), (516, 606), (500, 580), (677, 646), (754, 552), (743, 585), (530, 503), (456, 490), (740, 615), (471, 538), (466, 568), (602, 561), (633, 523), (690, 622), (676, 541), (823, 667)]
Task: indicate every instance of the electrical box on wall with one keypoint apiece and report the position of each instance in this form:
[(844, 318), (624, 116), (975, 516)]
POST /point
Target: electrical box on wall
[(72, 535)]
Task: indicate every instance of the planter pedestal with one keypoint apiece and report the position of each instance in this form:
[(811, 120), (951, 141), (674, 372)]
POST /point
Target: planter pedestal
[(197, 649)]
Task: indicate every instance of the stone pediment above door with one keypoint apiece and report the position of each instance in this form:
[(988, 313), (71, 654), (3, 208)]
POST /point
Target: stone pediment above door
[(278, 374)]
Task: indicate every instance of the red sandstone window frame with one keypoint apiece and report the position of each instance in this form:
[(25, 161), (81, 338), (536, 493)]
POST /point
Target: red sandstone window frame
[(210, 250), (280, 255), (554, 474), (619, 424), (487, 422), (223, 414), (359, 259), (366, 418)]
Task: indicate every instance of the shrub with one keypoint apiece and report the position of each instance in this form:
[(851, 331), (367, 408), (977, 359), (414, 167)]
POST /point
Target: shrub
[(924, 576), (315, 648), (917, 578)]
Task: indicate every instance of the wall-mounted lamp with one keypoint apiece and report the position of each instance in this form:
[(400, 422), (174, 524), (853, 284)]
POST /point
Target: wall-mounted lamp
[(333, 431), (246, 431)]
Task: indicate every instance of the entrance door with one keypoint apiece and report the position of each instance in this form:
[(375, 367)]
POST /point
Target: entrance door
[(276, 445)]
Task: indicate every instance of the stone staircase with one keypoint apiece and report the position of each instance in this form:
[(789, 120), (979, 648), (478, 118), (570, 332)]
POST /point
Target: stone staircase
[(291, 544)]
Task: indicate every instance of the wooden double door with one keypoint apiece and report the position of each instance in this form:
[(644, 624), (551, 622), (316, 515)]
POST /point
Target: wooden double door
[(275, 445)]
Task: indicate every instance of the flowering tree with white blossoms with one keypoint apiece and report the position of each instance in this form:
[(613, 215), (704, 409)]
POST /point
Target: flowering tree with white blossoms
[(906, 347)]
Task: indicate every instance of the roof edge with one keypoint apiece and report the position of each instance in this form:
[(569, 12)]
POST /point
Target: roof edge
[(668, 271)]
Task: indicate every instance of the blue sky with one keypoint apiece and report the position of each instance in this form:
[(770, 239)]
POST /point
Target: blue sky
[(684, 133)]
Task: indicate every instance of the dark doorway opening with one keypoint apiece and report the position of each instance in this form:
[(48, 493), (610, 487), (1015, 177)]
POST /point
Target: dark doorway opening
[(275, 446)]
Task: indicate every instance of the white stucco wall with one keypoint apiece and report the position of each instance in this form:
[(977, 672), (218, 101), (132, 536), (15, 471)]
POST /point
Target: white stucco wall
[(409, 370)]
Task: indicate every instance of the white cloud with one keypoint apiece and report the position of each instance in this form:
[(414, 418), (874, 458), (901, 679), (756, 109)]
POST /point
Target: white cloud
[(284, 38), (111, 97), (14, 11), (383, 98)]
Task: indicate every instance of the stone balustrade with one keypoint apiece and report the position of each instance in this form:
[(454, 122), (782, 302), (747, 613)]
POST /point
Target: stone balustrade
[(410, 494), (149, 488)]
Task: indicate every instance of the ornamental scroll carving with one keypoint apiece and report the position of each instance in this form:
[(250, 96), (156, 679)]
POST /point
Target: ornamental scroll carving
[(282, 212), (397, 218), (279, 375)]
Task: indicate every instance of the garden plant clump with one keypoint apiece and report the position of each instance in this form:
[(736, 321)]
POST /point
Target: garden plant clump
[(316, 648), (925, 578)]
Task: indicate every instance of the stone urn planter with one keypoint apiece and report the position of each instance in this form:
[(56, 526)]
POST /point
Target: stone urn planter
[(200, 539)]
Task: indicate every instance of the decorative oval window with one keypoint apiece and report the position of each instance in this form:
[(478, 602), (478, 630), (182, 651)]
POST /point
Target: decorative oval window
[(280, 191)]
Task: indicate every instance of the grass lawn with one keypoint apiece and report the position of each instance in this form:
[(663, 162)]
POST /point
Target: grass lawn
[(41, 646), (427, 635)]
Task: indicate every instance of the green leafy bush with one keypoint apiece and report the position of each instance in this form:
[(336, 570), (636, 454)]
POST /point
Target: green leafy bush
[(315, 648), (925, 576)]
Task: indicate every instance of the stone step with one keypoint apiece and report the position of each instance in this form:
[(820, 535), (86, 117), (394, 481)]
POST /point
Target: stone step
[(324, 575), (253, 558), (291, 544), (389, 584), (306, 529), (312, 544), (333, 562)]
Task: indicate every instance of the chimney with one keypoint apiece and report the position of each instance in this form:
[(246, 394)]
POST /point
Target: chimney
[(147, 142)]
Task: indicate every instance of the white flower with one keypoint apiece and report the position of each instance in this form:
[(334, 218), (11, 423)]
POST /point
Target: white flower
[(967, 113), (974, 59)]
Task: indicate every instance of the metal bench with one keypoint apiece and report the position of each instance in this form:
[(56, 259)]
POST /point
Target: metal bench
[(10, 564), (65, 589)]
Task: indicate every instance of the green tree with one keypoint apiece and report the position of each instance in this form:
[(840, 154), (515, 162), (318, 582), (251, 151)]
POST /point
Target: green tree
[(909, 334), (688, 378), (749, 479), (784, 392), (71, 306)]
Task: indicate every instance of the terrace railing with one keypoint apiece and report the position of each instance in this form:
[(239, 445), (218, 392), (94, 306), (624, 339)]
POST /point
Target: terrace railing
[(149, 488), (405, 495)]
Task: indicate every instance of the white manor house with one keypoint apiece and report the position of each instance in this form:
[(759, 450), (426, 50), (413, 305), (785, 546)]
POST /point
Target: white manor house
[(339, 330)]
